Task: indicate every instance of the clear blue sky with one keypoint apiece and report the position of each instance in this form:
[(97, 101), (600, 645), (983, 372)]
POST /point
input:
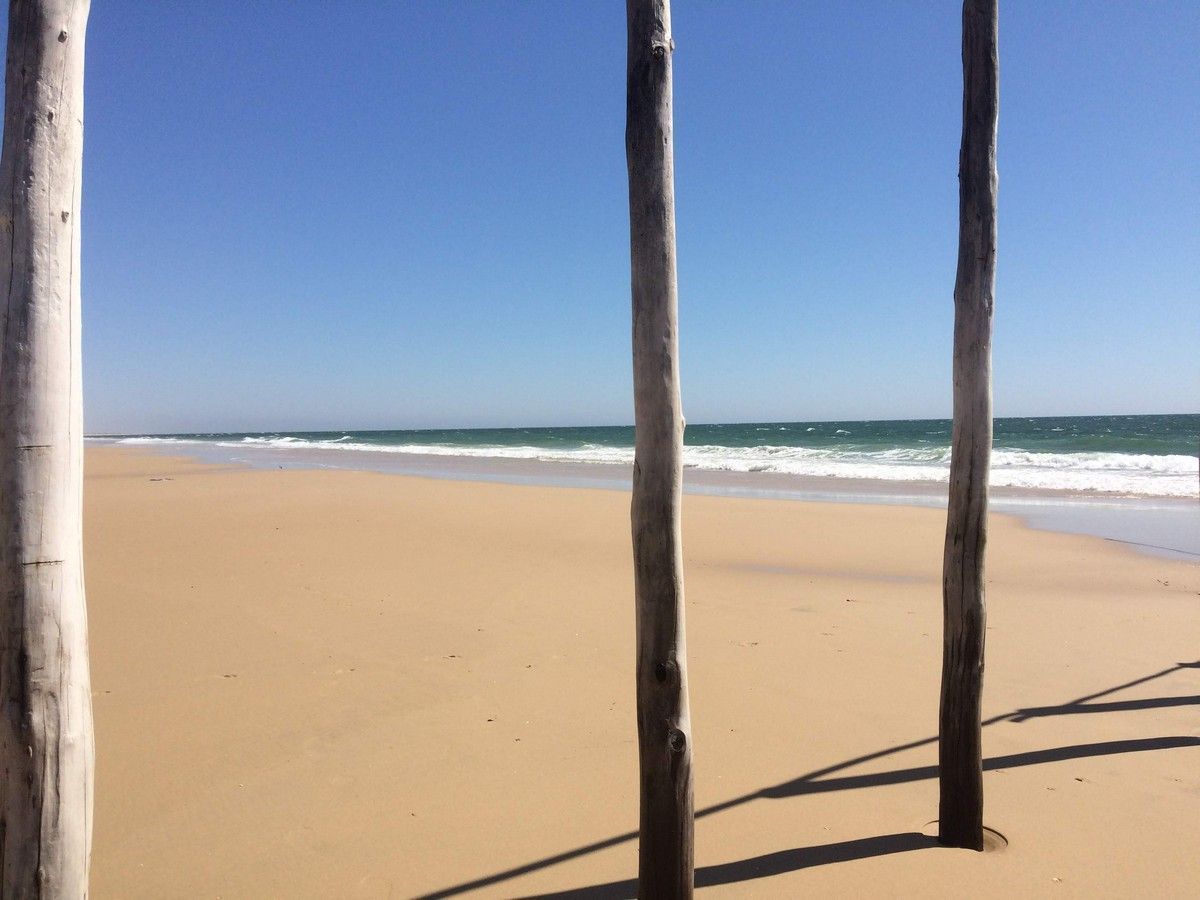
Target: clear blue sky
[(302, 214)]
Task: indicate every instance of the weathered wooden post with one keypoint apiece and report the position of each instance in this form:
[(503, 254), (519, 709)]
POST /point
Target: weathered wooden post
[(960, 750), (46, 744), (664, 727)]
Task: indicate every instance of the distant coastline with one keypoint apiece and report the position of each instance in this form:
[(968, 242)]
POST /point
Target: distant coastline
[(1127, 478), (1114, 456)]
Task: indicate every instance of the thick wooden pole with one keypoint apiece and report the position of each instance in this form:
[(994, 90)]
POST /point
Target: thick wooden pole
[(664, 728), (46, 749), (960, 750)]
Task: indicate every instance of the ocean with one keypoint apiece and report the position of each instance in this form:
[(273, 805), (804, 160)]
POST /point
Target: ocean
[(1145, 456)]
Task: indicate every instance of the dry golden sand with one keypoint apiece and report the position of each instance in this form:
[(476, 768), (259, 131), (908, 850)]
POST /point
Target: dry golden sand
[(340, 684)]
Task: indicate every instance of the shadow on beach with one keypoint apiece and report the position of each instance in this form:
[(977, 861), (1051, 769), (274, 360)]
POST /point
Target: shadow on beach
[(814, 782)]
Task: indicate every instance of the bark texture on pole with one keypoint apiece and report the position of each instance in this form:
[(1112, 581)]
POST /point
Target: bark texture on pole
[(664, 728), (960, 750), (46, 743)]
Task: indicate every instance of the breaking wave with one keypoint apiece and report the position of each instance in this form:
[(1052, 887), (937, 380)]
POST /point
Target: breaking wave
[(1127, 474)]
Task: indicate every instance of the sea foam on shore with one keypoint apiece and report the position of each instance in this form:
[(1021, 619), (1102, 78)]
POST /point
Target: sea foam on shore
[(1123, 456)]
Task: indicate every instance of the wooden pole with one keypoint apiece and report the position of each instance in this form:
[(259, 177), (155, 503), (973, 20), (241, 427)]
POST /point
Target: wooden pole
[(46, 743), (664, 727), (960, 749)]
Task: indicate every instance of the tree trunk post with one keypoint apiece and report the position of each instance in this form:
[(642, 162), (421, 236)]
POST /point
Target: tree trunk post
[(664, 726), (960, 750), (46, 741)]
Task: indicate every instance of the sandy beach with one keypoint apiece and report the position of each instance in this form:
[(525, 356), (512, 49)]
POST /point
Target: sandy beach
[(350, 684)]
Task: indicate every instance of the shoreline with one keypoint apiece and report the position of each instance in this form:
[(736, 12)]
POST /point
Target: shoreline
[(1166, 526), (334, 683)]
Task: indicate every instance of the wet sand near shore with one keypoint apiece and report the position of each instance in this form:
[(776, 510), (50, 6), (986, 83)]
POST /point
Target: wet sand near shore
[(1166, 526), (331, 683)]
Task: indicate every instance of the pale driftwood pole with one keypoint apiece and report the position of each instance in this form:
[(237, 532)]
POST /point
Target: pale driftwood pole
[(664, 727), (960, 750), (46, 749)]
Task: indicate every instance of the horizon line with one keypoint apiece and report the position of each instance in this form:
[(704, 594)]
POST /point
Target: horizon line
[(144, 433)]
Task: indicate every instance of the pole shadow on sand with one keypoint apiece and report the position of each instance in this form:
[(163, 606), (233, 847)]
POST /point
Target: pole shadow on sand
[(762, 866), (816, 782)]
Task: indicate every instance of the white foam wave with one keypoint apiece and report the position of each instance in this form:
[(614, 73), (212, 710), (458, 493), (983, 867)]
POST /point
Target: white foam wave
[(158, 440), (1111, 473)]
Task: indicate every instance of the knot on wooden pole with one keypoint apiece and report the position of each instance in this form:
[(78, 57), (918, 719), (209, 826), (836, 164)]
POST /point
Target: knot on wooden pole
[(677, 740)]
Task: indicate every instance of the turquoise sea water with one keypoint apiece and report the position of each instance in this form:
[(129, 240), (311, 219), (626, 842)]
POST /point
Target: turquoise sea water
[(1113, 456)]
